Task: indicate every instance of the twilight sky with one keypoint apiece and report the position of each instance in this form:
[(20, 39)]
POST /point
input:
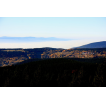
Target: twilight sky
[(89, 29)]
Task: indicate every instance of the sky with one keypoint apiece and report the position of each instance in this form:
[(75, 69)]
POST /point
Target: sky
[(80, 30)]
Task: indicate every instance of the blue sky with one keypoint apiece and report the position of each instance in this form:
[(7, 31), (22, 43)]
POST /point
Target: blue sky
[(80, 30)]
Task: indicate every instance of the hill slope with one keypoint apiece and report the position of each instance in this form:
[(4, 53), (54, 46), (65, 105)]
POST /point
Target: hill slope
[(55, 73), (95, 45)]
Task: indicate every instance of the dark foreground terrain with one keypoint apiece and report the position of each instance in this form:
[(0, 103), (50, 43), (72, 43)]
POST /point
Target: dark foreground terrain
[(57, 72)]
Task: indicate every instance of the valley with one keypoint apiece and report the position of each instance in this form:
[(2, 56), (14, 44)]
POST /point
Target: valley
[(14, 56)]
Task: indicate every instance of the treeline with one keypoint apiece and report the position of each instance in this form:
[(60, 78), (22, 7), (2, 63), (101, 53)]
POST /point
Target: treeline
[(12, 54), (58, 72), (92, 49), (36, 52)]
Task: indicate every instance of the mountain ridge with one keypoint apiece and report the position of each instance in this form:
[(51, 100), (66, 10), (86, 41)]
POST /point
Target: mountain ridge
[(101, 44), (30, 39)]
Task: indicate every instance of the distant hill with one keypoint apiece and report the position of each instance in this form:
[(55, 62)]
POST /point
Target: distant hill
[(30, 39), (94, 45)]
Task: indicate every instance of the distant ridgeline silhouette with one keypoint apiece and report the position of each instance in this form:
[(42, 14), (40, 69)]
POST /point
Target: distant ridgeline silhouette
[(101, 44), (30, 39)]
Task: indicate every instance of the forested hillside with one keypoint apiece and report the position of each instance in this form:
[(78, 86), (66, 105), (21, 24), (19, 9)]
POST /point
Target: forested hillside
[(58, 72)]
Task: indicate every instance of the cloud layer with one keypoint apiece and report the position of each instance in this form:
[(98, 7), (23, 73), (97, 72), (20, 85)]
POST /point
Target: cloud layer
[(53, 44)]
